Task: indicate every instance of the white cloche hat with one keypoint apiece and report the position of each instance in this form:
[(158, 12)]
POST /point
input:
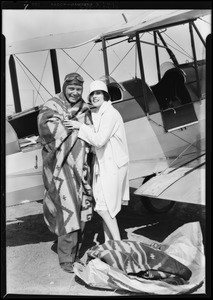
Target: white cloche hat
[(98, 85)]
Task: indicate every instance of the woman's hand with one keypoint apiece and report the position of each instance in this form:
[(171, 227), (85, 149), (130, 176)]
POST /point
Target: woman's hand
[(72, 124)]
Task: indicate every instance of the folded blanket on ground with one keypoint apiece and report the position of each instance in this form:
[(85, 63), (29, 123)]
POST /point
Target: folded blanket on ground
[(142, 260)]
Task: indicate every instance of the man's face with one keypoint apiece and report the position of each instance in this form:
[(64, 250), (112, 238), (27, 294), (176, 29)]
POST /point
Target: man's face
[(74, 92)]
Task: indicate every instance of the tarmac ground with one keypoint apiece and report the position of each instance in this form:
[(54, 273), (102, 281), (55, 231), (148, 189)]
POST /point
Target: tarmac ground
[(32, 266)]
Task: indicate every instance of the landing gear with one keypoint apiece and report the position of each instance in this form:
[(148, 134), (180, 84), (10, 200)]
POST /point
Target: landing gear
[(155, 205)]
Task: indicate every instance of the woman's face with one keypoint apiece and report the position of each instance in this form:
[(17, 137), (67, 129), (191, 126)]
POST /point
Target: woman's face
[(97, 98)]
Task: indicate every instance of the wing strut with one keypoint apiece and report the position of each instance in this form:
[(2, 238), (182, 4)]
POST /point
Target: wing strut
[(171, 54), (195, 60), (105, 59), (55, 70), (14, 82), (157, 55), (142, 71), (198, 33)]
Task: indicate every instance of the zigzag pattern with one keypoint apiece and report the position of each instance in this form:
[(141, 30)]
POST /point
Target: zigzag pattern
[(139, 259), (64, 159)]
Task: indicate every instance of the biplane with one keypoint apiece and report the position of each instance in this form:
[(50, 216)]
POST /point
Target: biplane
[(164, 121)]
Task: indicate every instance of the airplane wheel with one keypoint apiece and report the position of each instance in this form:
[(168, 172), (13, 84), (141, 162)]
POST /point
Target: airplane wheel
[(157, 205)]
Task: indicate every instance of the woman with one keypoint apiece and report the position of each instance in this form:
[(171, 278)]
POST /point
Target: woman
[(110, 175)]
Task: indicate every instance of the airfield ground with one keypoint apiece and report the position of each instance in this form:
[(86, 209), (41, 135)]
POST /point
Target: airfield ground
[(31, 260)]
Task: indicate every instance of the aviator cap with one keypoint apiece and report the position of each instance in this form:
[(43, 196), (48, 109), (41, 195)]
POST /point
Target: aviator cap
[(74, 78)]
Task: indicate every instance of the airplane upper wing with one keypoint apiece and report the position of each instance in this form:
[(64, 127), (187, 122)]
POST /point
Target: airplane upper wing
[(171, 19), (145, 21), (154, 19), (57, 41)]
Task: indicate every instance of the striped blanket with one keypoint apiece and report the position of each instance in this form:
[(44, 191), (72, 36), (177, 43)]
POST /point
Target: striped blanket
[(141, 260), (66, 168), (144, 266)]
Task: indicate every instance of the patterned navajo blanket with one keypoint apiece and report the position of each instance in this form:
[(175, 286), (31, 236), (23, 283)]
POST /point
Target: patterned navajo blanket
[(141, 260), (66, 167)]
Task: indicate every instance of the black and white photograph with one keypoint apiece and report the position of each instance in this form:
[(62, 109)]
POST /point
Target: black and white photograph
[(105, 102)]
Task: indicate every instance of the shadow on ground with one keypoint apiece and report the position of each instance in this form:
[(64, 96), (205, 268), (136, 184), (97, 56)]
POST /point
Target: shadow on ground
[(28, 230), (32, 229), (159, 225)]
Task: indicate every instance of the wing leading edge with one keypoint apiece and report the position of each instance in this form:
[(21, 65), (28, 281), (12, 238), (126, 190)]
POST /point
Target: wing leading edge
[(57, 41)]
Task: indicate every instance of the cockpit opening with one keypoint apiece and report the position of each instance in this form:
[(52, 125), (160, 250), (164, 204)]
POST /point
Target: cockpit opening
[(171, 91), (114, 92), (114, 88)]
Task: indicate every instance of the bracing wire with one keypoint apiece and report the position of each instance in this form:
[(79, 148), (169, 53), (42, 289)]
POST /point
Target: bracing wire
[(41, 78), (77, 64), (187, 142), (184, 150), (180, 155), (204, 21), (122, 59), (86, 57), (32, 75), (184, 53), (119, 60), (126, 55), (27, 76)]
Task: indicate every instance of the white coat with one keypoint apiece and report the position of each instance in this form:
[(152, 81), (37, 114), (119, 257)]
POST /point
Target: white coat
[(109, 139)]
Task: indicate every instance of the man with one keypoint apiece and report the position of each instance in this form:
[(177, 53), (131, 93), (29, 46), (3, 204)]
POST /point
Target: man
[(67, 203)]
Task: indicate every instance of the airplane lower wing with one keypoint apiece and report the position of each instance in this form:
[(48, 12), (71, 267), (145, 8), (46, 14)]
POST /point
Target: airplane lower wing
[(24, 187), (183, 184), (24, 177)]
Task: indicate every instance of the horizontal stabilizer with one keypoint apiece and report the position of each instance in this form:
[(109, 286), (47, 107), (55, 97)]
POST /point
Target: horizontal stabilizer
[(158, 184)]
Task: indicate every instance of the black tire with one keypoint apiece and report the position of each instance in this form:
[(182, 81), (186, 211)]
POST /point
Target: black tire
[(155, 205)]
